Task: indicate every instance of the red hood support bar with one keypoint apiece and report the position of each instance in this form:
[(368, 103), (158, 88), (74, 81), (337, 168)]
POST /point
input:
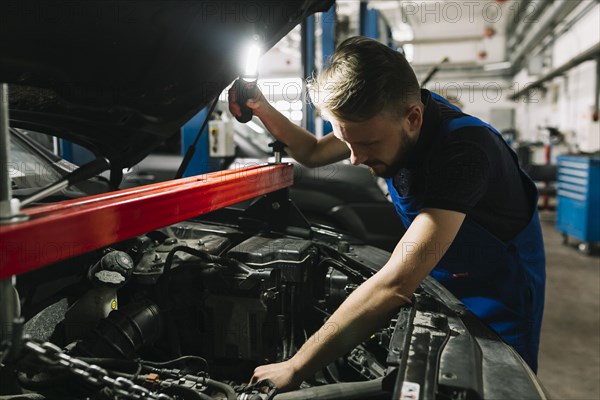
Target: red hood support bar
[(69, 228)]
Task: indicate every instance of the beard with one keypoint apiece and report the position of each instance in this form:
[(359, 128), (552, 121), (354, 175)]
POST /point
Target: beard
[(384, 170)]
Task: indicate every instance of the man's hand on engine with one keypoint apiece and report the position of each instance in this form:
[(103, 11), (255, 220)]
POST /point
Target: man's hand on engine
[(282, 374)]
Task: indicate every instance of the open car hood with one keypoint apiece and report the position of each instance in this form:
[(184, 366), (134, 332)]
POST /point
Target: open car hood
[(121, 76)]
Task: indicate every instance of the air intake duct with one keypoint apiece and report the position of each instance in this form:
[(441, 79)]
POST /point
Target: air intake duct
[(123, 333)]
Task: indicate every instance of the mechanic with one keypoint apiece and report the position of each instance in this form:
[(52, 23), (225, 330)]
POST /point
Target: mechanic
[(470, 212)]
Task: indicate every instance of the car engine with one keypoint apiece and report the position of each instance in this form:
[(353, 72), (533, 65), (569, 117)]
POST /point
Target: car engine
[(188, 312)]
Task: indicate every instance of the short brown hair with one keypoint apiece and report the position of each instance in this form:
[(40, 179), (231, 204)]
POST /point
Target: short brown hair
[(363, 78)]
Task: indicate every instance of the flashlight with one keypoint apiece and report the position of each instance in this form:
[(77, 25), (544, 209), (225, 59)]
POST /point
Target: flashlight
[(246, 84)]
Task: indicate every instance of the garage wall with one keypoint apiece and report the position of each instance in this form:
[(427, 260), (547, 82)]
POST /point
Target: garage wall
[(455, 29), (568, 101), (479, 97)]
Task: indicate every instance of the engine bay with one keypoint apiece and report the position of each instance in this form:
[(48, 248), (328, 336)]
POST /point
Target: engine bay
[(188, 311)]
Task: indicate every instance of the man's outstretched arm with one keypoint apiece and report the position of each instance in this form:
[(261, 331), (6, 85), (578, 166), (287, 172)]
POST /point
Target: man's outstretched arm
[(373, 302)]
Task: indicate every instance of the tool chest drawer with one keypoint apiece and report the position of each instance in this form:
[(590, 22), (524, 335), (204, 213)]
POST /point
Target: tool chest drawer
[(578, 212)]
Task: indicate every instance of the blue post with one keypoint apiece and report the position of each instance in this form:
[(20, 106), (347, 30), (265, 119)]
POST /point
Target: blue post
[(308, 63), (74, 153), (328, 37), (369, 26), (66, 149), (200, 162), (390, 38), (328, 45)]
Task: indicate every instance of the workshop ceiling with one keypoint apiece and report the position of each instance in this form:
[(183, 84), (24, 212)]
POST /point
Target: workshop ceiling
[(470, 32)]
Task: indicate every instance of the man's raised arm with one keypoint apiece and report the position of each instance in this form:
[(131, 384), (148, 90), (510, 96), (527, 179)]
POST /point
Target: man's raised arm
[(303, 146)]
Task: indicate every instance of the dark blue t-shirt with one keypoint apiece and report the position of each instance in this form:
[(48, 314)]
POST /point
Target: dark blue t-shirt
[(471, 171)]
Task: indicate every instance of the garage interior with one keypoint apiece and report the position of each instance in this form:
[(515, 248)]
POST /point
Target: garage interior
[(530, 68)]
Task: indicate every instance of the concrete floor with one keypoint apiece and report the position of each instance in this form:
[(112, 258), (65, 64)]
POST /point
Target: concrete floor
[(569, 360)]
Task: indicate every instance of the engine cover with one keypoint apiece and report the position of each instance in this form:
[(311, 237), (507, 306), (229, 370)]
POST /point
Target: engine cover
[(292, 256)]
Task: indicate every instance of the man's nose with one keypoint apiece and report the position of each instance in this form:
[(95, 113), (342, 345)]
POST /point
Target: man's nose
[(356, 158)]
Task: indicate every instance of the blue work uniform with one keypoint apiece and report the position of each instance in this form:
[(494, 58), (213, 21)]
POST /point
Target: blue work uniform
[(500, 281)]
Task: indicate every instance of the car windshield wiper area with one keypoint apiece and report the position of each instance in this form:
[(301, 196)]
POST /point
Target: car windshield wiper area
[(82, 173)]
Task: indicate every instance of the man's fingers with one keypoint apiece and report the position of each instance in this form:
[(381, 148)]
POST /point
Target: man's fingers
[(255, 378), (235, 109), (252, 103), (264, 388), (233, 105)]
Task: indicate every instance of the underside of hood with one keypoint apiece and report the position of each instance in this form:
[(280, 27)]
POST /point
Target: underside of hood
[(121, 76)]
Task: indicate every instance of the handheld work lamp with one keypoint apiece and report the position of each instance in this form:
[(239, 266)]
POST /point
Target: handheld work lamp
[(246, 84)]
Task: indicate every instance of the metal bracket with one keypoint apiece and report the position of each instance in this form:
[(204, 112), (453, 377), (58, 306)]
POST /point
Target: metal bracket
[(278, 148), (278, 212)]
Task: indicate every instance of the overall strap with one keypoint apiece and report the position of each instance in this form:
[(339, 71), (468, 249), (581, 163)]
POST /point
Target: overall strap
[(439, 98)]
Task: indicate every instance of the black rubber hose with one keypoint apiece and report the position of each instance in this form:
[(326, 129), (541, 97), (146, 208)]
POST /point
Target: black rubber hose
[(185, 360), (184, 249), (339, 391), (223, 387), (186, 393), (203, 256)]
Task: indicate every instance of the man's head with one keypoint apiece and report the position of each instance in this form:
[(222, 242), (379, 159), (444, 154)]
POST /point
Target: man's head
[(372, 97)]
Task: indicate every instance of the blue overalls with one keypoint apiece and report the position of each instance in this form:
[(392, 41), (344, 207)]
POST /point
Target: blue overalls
[(500, 282)]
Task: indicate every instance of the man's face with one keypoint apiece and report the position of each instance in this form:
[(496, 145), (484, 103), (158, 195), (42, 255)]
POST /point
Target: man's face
[(382, 143)]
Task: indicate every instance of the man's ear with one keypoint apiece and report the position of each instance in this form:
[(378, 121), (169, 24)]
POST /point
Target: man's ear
[(414, 118)]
